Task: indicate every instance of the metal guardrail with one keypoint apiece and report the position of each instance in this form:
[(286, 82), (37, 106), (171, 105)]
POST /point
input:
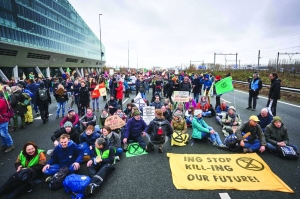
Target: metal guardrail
[(284, 89)]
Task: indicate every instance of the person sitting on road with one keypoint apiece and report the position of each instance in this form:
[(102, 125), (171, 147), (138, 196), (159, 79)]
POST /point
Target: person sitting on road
[(87, 141), (265, 118), (179, 136), (29, 162), (230, 121), (167, 101), (102, 118), (114, 140), (157, 104), (202, 130), (256, 139), (166, 114), (111, 105), (168, 109), (101, 164), (157, 130), (276, 135), (135, 130), (65, 154), (67, 129), (179, 108), (121, 114), (72, 117), (189, 115), (128, 109), (205, 107), (190, 103), (221, 111), (88, 119)]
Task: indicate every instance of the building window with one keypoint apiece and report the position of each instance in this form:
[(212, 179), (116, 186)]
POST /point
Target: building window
[(71, 60), (82, 61)]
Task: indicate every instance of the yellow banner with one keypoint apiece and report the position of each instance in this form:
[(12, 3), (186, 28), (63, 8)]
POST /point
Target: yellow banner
[(224, 171)]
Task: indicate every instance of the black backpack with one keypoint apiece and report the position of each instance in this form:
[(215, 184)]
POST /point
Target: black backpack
[(43, 94), (56, 181), (287, 152), (159, 132)]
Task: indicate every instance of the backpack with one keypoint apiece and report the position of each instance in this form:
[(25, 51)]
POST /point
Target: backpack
[(76, 184), (56, 181), (25, 101), (159, 132), (43, 94), (287, 152)]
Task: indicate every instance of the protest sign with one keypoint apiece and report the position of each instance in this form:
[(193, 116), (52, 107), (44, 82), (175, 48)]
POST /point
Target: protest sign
[(148, 114), (139, 101), (181, 96), (224, 171), (114, 122)]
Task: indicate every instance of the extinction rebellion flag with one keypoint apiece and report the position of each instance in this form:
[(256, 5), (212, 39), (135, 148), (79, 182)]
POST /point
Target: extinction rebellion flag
[(224, 86)]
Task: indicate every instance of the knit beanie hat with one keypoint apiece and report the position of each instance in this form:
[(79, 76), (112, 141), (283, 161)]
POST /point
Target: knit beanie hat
[(232, 107), (276, 118), (177, 114), (68, 123), (197, 112), (136, 112)]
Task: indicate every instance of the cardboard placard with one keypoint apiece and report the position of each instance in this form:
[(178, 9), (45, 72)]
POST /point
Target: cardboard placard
[(114, 122), (148, 114), (181, 96)]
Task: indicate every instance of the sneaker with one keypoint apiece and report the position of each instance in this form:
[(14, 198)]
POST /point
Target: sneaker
[(223, 146), (93, 110), (48, 179), (160, 150), (50, 151), (10, 148), (37, 114), (215, 143), (117, 158), (249, 107), (90, 189), (247, 150), (149, 147), (253, 109), (125, 146), (209, 140), (3, 148)]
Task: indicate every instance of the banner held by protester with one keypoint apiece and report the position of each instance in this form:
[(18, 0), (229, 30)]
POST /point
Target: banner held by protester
[(223, 86), (181, 96)]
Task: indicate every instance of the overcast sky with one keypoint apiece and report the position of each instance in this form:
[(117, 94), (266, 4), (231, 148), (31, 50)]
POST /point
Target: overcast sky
[(169, 33)]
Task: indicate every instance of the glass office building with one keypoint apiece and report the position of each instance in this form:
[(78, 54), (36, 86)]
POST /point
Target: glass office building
[(46, 33)]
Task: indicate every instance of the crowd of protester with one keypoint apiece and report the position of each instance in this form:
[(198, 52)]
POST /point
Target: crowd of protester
[(83, 137)]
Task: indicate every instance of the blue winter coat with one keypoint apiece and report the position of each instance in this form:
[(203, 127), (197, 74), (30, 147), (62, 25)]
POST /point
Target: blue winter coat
[(66, 156), (264, 121), (89, 139), (135, 127), (33, 88), (199, 126), (219, 110)]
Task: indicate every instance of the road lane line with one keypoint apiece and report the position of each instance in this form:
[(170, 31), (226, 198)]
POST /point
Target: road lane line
[(225, 101), (125, 100), (224, 196), (268, 98)]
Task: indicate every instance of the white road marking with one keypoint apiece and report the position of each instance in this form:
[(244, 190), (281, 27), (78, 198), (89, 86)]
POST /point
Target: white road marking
[(225, 101), (224, 196), (268, 98), (39, 118), (125, 100)]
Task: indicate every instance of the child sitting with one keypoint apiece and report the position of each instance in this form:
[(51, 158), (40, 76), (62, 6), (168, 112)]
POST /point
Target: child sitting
[(114, 140), (121, 114), (87, 141), (103, 117)]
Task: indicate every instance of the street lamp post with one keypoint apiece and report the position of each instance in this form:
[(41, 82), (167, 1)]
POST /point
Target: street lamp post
[(100, 44)]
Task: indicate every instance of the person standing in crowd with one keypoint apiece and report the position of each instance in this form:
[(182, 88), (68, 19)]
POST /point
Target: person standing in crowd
[(30, 161), (61, 99), (276, 135), (33, 87), (119, 93), (274, 92), (126, 87), (111, 105), (256, 140), (142, 88), (43, 99), (186, 84), (196, 88), (265, 118), (169, 88), (95, 100), (20, 109), (206, 84), (76, 95), (255, 86), (7, 142)]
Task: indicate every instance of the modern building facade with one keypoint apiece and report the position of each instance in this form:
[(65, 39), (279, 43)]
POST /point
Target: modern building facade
[(46, 33)]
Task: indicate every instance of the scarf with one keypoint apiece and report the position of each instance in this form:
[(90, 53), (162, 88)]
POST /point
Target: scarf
[(104, 116), (89, 115), (202, 103), (232, 117)]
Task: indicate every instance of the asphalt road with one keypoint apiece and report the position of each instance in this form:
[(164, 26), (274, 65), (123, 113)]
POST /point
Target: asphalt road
[(149, 176)]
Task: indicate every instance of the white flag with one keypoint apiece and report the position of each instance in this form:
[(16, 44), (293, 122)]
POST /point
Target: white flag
[(139, 101)]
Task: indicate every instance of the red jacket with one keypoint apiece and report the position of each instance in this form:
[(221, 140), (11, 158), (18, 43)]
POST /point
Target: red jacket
[(119, 89), (203, 108), (3, 110), (74, 120)]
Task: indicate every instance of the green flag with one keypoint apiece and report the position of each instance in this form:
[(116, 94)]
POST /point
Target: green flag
[(134, 149), (68, 70), (224, 86)]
